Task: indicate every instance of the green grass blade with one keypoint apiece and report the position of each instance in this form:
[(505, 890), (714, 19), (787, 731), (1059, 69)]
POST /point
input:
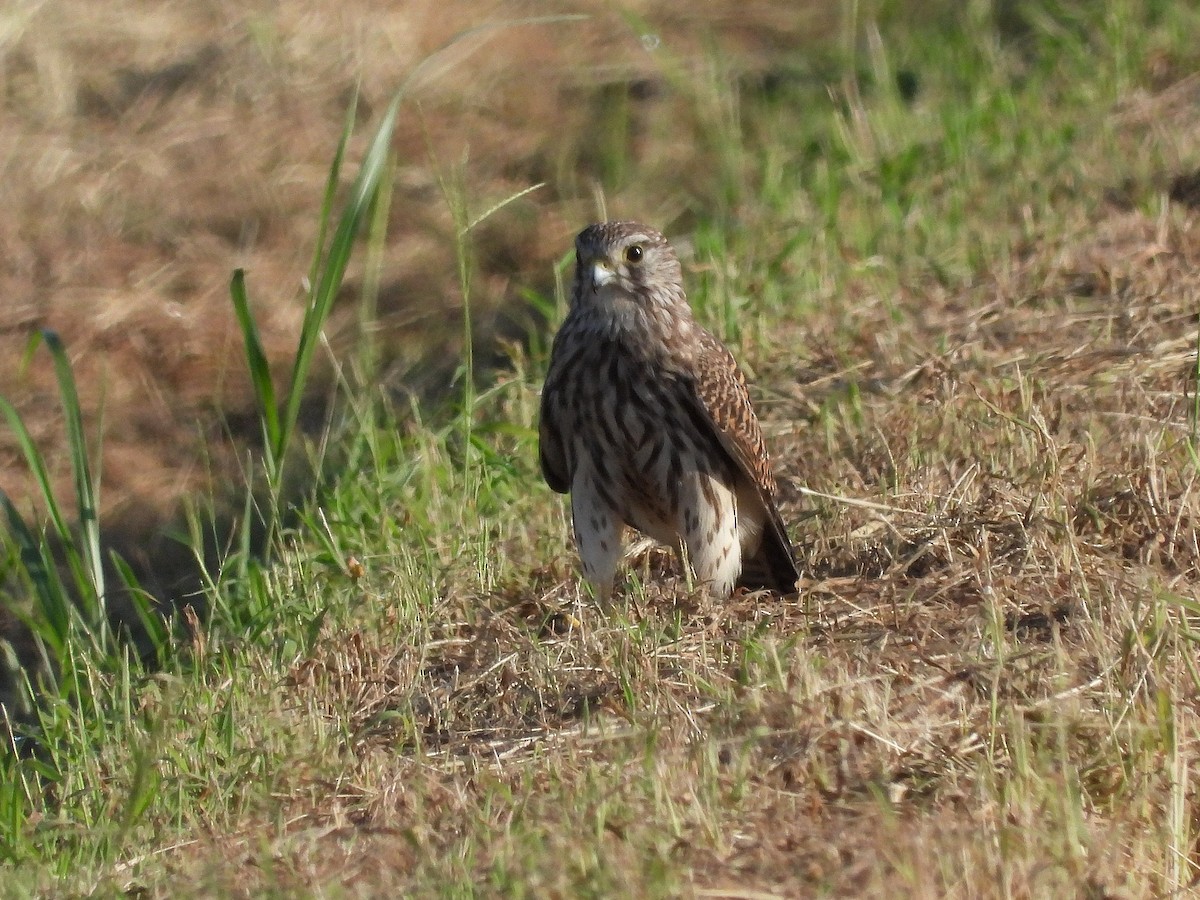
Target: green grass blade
[(334, 269), (154, 627), (327, 277), (331, 186), (62, 533), (368, 304), (37, 466), (86, 494), (499, 205), (145, 780), (256, 359), (53, 620)]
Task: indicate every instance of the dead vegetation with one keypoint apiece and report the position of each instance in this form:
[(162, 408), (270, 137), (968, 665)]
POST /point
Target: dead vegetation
[(1003, 617), (986, 688), (969, 698), (148, 152)]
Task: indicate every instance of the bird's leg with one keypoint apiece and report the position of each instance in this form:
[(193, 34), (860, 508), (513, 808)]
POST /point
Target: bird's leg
[(710, 537)]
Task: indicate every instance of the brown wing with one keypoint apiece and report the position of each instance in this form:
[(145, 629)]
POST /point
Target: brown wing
[(720, 389), (720, 393)]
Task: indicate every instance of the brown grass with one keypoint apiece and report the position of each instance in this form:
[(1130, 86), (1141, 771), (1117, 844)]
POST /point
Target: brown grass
[(148, 152), (987, 687), (986, 634)]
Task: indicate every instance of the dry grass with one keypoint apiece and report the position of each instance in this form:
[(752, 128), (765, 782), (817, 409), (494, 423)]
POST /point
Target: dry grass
[(147, 152), (988, 686), (984, 431)]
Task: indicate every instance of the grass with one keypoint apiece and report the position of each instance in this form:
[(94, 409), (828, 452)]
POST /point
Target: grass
[(961, 271)]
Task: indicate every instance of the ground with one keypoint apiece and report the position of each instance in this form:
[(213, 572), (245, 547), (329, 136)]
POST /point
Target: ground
[(957, 255)]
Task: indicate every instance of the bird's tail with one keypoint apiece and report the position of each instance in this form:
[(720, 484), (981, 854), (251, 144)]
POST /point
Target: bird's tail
[(773, 567)]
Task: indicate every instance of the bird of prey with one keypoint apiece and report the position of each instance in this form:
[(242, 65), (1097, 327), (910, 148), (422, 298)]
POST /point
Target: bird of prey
[(646, 421)]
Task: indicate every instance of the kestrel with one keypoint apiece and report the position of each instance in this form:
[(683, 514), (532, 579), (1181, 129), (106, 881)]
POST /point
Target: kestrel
[(647, 422)]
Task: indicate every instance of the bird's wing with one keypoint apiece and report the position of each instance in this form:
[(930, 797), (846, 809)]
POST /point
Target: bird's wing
[(552, 453), (722, 400), (720, 393)]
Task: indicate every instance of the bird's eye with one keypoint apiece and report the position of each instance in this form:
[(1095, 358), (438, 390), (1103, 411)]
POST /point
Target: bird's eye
[(633, 253)]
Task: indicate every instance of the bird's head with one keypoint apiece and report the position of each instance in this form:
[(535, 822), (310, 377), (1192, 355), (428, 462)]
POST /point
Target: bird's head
[(622, 263)]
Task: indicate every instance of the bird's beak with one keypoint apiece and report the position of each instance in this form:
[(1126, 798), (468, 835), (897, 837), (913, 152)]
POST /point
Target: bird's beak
[(601, 274)]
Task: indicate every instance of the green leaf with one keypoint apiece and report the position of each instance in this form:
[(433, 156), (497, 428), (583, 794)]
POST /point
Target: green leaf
[(256, 359)]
